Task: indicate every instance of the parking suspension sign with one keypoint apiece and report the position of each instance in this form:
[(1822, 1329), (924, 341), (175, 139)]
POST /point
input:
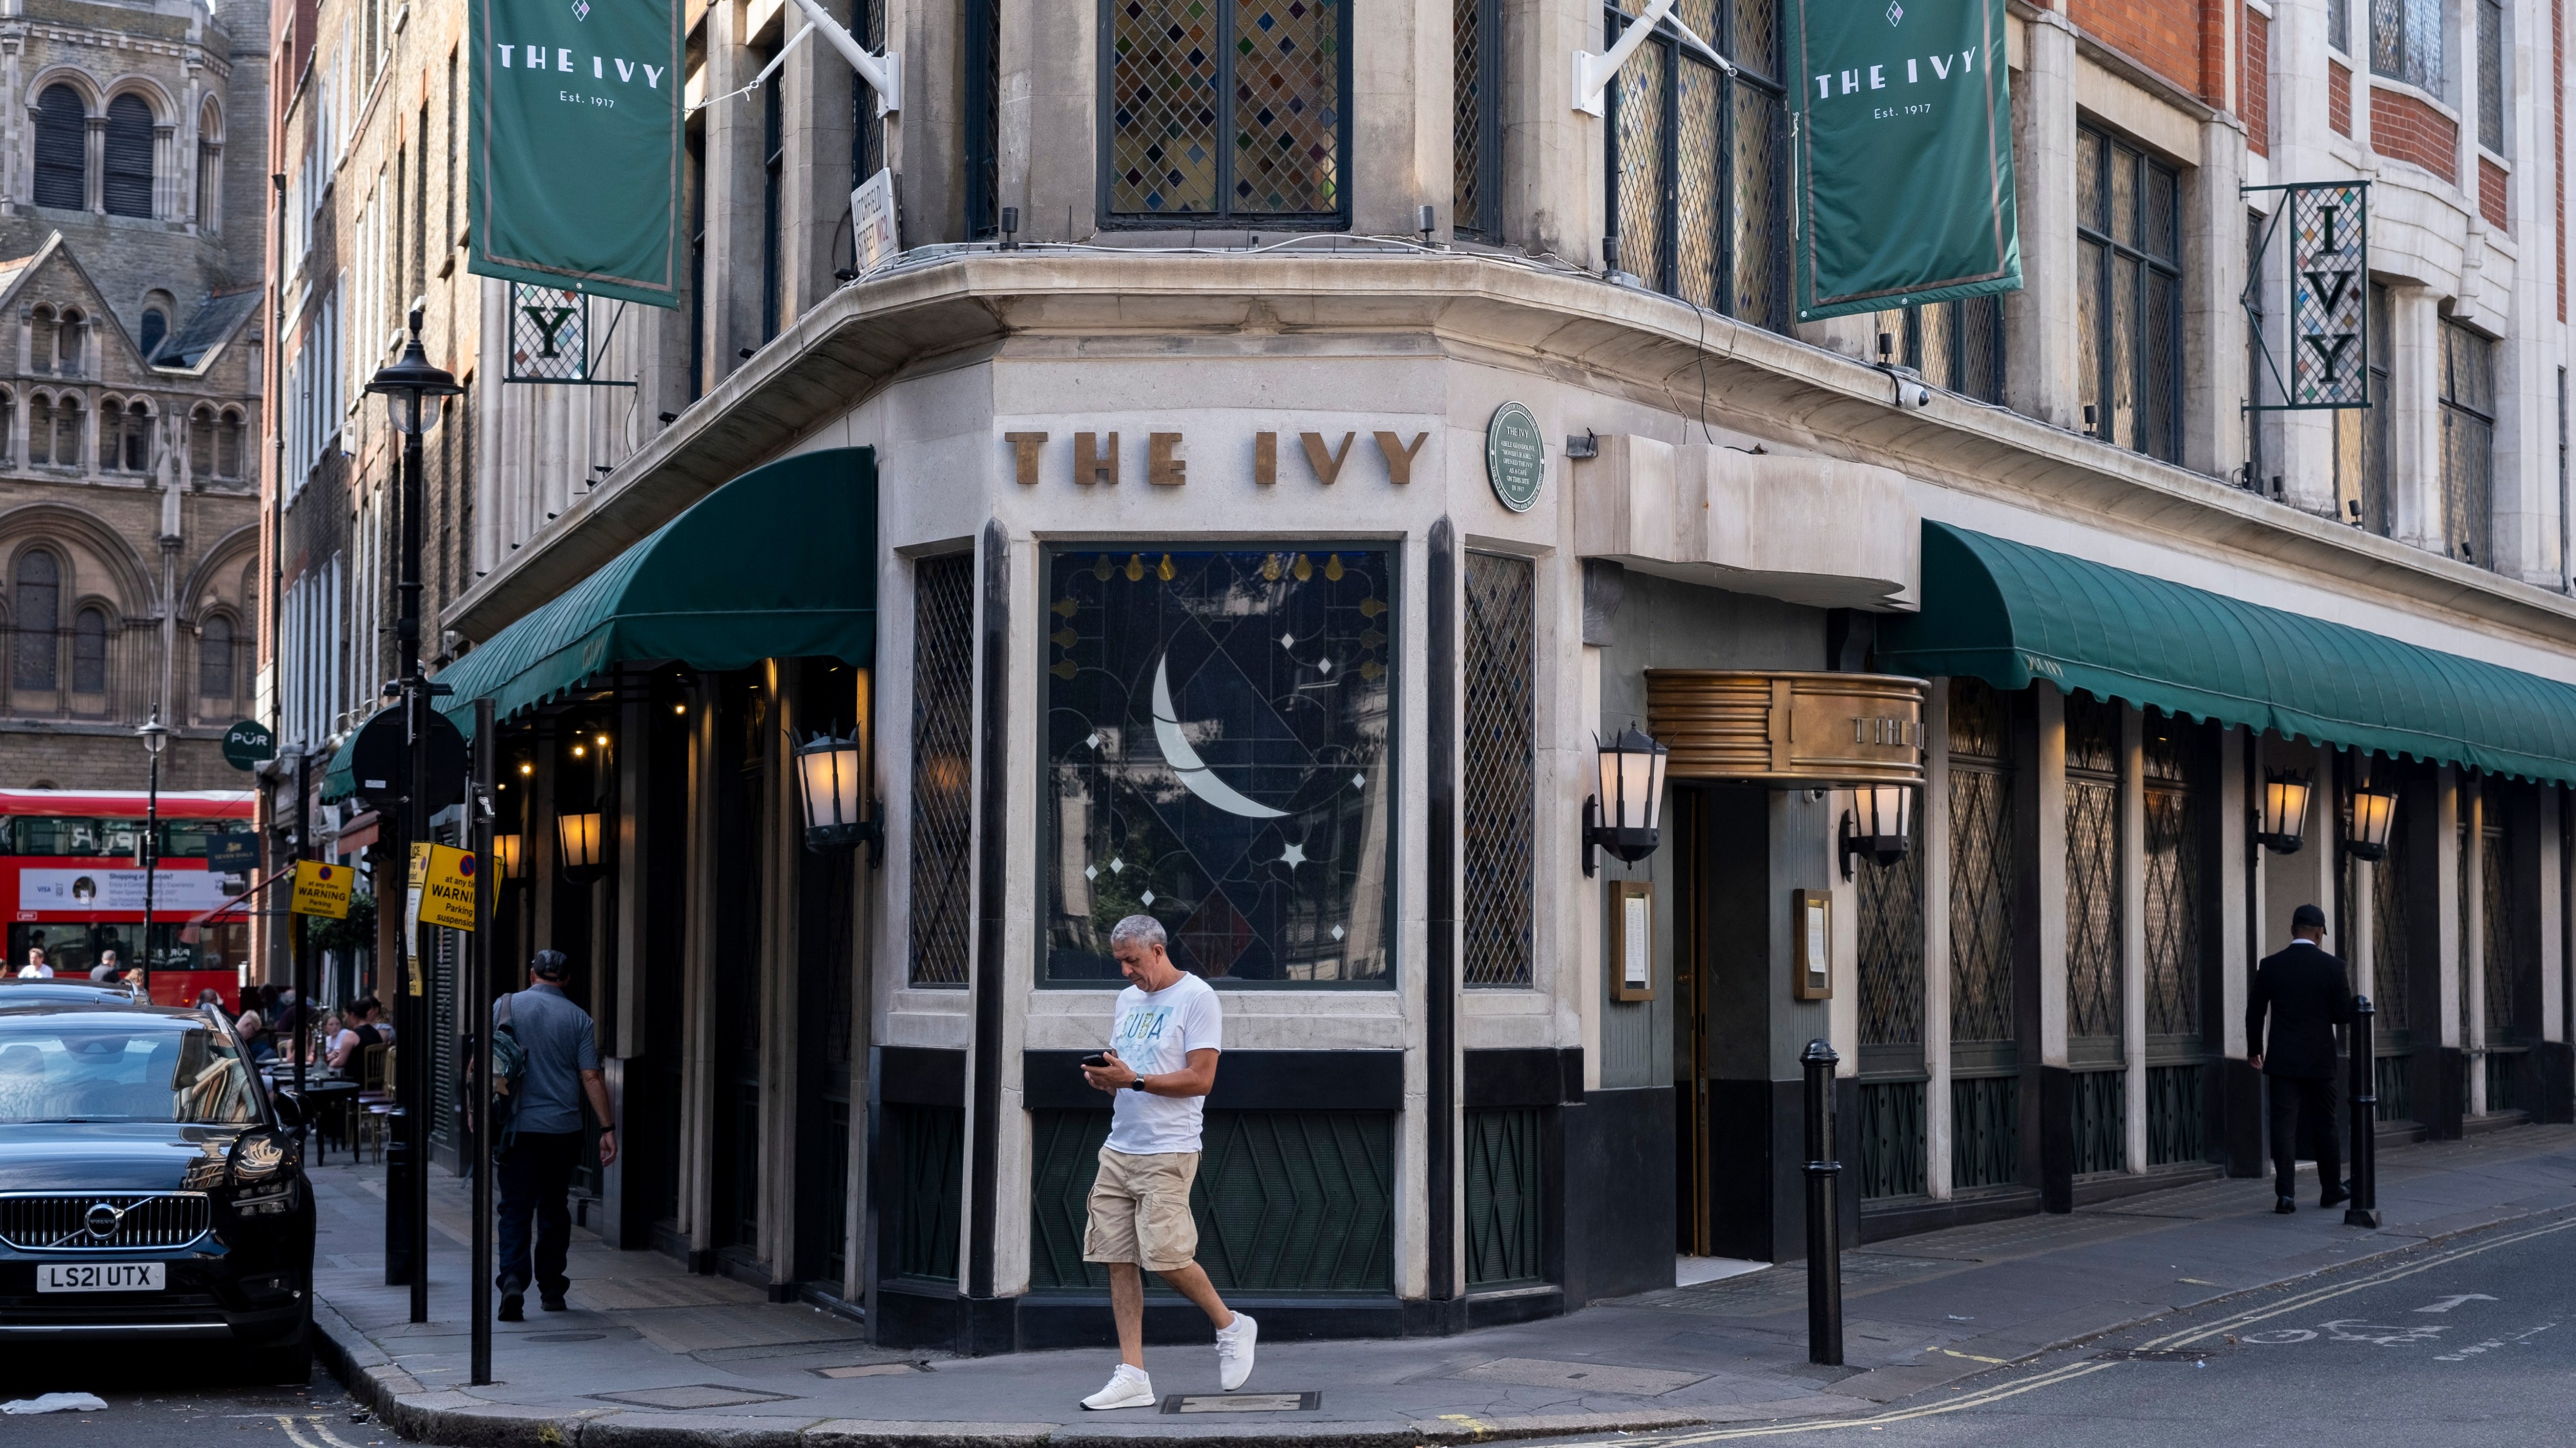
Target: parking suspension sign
[(573, 170), (1902, 160)]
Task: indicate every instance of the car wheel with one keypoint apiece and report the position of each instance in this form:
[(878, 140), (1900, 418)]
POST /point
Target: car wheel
[(287, 1366)]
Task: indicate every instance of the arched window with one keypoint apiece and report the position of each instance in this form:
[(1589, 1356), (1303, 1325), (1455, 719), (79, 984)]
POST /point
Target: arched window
[(8, 421), (67, 342), (36, 609), (201, 443), (62, 149), (89, 651), (228, 446), (138, 439), (40, 338), (67, 432), (210, 167), (155, 327), (40, 430), (215, 658), (129, 157)]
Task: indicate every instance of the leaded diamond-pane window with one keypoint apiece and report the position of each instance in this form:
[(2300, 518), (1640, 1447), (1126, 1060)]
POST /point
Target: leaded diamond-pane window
[(2504, 953), (2172, 897), (943, 759), (2093, 923), (1891, 949), (1697, 188), (2391, 984), (1226, 109), (1476, 140), (1958, 345), (1982, 867), (1501, 749), (1217, 756)]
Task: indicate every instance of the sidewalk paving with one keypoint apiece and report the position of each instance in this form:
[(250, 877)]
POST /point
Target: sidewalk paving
[(653, 1357)]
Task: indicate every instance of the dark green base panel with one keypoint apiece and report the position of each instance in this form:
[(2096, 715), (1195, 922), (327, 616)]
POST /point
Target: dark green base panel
[(2549, 1083), (926, 1315), (1618, 1194)]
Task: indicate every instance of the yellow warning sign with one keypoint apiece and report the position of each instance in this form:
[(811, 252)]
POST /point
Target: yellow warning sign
[(321, 889), (442, 882)]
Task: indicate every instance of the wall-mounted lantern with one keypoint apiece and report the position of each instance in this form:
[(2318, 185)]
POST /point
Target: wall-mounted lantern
[(1879, 824), (2374, 812), (2282, 821), (1626, 817), (584, 845), (832, 776), (505, 858)]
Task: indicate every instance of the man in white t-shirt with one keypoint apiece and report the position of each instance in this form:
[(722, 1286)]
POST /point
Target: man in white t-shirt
[(1160, 1066)]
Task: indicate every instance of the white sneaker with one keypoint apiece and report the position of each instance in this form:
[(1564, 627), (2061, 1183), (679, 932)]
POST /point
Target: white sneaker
[(1127, 1388), (1234, 1351)]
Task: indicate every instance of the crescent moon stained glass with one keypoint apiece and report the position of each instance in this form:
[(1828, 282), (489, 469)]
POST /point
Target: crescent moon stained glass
[(1217, 729)]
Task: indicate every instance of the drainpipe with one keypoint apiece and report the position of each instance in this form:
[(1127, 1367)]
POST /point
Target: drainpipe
[(277, 473)]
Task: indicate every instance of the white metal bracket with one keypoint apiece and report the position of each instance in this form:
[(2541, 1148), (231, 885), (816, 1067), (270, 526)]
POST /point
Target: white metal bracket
[(1593, 73), (883, 73)]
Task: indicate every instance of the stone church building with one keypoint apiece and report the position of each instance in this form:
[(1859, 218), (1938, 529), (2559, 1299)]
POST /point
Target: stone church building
[(131, 346)]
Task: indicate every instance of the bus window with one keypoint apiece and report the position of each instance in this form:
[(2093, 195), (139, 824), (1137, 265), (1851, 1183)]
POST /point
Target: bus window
[(186, 839), (76, 835)]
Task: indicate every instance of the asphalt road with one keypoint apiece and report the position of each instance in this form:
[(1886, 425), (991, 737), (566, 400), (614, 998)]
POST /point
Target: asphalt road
[(2471, 1344), (171, 1394)]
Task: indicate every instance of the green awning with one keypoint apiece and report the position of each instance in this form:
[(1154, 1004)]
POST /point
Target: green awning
[(338, 781), (779, 563), (2009, 613)]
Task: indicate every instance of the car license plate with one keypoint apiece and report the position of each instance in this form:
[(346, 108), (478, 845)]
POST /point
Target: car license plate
[(98, 1277)]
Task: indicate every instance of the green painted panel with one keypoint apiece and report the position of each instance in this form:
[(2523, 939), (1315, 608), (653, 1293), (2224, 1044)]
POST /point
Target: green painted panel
[(2394, 1084), (2175, 1121), (1505, 1203), (923, 1155), (1892, 1153), (2101, 1108), (1985, 1131), (1286, 1201)]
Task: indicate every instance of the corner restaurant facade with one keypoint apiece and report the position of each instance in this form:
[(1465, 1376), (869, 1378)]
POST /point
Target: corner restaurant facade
[(1137, 600)]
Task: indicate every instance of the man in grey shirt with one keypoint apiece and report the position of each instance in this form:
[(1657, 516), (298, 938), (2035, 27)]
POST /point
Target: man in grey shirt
[(535, 1172)]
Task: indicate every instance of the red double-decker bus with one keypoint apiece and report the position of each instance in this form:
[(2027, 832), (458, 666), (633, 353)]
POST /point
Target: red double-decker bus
[(72, 880)]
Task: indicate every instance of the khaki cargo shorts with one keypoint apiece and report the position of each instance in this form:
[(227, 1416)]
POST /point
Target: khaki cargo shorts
[(1140, 1211)]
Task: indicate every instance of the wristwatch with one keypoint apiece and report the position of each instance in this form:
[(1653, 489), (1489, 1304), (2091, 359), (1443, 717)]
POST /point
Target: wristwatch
[(1138, 1084)]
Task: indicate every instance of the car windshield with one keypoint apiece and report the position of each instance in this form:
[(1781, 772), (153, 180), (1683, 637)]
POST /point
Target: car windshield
[(81, 1066)]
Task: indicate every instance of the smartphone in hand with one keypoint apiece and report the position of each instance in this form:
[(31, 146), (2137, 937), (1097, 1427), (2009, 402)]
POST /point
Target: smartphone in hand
[(1096, 1061)]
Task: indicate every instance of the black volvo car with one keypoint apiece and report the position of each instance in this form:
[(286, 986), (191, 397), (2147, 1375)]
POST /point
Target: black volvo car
[(150, 1185)]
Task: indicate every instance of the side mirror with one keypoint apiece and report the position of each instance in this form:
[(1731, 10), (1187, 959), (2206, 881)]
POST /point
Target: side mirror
[(290, 1110)]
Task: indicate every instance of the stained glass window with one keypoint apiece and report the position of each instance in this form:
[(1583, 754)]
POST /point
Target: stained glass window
[(1696, 174), (1225, 109), (1217, 756)]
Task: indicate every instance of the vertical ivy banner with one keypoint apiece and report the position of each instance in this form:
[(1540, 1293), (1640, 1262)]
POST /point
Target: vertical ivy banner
[(1903, 154), (573, 164)]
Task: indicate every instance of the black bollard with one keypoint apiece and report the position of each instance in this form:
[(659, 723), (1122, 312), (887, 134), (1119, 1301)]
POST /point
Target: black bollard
[(2363, 1210), (1824, 1215), (398, 1169)]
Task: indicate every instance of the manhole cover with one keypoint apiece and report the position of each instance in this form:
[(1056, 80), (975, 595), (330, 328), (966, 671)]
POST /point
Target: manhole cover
[(1243, 1402), (564, 1337), (693, 1395), (870, 1370)]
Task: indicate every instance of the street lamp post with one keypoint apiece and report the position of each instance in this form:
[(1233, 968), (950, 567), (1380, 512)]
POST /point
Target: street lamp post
[(415, 392), (156, 737)]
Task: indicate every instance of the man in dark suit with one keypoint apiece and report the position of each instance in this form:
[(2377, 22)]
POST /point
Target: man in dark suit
[(2308, 993)]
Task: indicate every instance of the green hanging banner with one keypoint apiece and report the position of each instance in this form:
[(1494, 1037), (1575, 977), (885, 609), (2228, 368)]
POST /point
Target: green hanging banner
[(1903, 154), (574, 163)]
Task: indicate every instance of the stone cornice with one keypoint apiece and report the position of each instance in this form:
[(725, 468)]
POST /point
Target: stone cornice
[(943, 310)]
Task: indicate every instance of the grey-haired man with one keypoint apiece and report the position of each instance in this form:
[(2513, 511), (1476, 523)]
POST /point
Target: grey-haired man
[(545, 1126), (1160, 1066)]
